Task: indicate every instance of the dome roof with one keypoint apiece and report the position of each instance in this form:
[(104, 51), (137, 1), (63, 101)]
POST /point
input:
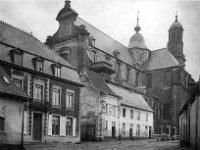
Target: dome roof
[(137, 40), (176, 24)]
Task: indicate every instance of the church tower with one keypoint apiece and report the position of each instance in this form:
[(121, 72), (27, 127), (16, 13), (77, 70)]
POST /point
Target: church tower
[(137, 47), (175, 43)]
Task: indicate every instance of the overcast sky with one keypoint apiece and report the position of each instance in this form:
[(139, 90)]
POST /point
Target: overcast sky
[(117, 18)]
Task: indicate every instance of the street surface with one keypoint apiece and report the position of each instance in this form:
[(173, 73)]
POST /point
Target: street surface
[(114, 145)]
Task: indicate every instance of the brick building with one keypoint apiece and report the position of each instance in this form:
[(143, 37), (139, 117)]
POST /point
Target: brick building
[(53, 84), (102, 63)]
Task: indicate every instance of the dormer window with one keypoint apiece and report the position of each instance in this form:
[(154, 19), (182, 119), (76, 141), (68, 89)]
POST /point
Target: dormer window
[(56, 68), (91, 41), (17, 57), (38, 64), (93, 54)]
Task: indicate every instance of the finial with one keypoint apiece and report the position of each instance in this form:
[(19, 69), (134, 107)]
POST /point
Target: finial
[(138, 17), (176, 18), (137, 27), (68, 3)]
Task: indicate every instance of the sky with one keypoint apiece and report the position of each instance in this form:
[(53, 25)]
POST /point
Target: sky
[(116, 18)]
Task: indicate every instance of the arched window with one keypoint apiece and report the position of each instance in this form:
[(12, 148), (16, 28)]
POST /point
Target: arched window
[(2, 124), (65, 52), (149, 80), (167, 78), (166, 111)]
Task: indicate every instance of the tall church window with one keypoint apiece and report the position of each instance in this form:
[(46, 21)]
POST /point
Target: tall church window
[(166, 111), (2, 124), (149, 80), (167, 78)]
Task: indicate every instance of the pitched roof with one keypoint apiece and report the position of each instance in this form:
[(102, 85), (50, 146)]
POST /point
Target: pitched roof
[(105, 42), (130, 98), (20, 39), (99, 83), (7, 86), (161, 58)]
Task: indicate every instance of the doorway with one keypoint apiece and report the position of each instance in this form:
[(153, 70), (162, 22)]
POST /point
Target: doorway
[(113, 130), (150, 130), (37, 127), (130, 133)]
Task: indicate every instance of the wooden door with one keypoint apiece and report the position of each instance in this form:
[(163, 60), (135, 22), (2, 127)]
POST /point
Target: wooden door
[(37, 127)]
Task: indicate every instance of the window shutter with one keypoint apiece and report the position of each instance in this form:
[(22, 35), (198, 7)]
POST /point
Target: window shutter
[(74, 126), (34, 91), (62, 126), (50, 125), (25, 121)]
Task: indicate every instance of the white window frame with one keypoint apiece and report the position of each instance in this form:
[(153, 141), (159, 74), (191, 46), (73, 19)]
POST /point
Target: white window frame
[(59, 88), (41, 82), (73, 99)]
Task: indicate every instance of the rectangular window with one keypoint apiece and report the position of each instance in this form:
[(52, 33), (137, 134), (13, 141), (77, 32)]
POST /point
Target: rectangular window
[(39, 66), (140, 56), (138, 130), (69, 99), (124, 112), (146, 130), (55, 125), (39, 92), (149, 80), (138, 115), (131, 114), (56, 97), (69, 126), (17, 59), (2, 124), (123, 128), (57, 71), (18, 83), (128, 74), (147, 116)]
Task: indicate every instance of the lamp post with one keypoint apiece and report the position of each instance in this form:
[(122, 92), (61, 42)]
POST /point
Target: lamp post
[(101, 101)]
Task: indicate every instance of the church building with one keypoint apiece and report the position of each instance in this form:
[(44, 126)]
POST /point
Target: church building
[(157, 76)]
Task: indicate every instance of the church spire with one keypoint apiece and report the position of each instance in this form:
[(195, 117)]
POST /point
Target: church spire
[(137, 27), (176, 17)]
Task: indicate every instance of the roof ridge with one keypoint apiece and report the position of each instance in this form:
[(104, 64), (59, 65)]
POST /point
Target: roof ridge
[(17, 28), (102, 31), (159, 49)]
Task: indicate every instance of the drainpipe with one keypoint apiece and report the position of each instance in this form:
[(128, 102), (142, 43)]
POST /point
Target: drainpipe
[(196, 126), (22, 129)]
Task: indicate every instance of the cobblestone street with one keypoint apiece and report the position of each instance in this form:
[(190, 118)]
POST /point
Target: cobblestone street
[(116, 145)]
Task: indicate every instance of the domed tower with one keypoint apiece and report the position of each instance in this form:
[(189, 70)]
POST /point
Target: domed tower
[(175, 43), (137, 47)]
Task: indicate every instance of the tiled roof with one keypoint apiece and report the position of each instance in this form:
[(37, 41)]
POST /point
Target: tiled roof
[(99, 83), (130, 98), (161, 58), (105, 42), (20, 39), (7, 86)]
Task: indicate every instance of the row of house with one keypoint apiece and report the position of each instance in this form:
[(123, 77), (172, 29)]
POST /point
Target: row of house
[(189, 118), (73, 90)]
